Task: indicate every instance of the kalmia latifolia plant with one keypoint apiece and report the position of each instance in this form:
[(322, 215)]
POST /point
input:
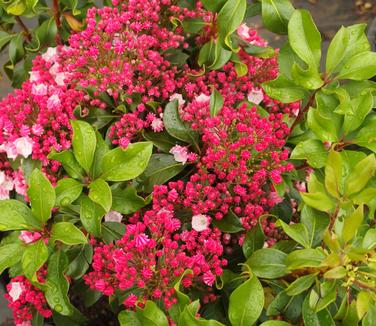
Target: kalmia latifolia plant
[(164, 166)]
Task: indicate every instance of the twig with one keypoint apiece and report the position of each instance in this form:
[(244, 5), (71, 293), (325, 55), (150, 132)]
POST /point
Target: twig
[(24, 28), (57, 20)]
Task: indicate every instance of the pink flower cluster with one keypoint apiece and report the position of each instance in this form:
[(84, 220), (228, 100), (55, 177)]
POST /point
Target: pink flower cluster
[(25, 299), (152, 254)]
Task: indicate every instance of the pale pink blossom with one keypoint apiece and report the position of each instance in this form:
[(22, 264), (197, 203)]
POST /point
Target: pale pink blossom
[(16, 290), (157, 125), (200, 222), (301, 186), (34, 76), (54, 69), (180, 153), (29, 237), (50, 55), (10, 149), (60, 78), (113, 216), (275, 198), (255, 96), (202, 98), (208, 278), (39, 89), (243, 31), (178, 97), (24, 146), (53, 101), (6, 185)]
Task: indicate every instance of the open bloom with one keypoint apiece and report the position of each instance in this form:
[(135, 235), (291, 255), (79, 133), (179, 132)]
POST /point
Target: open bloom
[(24, 146), (180, 153), (255, 96), (200, 222), (6, 185), (113, 216), (29, 237)]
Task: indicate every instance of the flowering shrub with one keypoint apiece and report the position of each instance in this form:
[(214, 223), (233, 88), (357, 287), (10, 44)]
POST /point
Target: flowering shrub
[(163, 165)]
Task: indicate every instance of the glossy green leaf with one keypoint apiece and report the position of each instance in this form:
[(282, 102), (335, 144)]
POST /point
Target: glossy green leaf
[(213, 5), (161, 140), (193, 25), (152, 315), (126, 201), (370, 317), (70, 165), (229, 223), (123, 165), (307, 78), (188, 317), (253, 240), (311, 318), (362, 105), (284, 90), (333, 174), (67, 233), (276, 15), (67, 191), (10, 254), (100, 193), (42, 195), (246, 303), (33, 258), (101, 149), (337, 49), (304, 37), (298, 232), (360, 175), (301, 284), (5, 38), (366, 136), (304, 258), (129, 318), (316, 223), (311, 150), (275, 323), (57, 285), (91, 215), (351, 224), (369, 240), (15, 215), (268, 263), (359, 67), (216, 103), (84, 143)]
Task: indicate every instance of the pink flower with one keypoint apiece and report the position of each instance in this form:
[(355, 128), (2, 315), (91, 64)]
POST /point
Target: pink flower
[(180, 153), (15, 290), (141, 240), (53, 102), (130, 301), (29, 237), (60, 78), (301, 186), (200, 222), (6, 185), (202, 98), (208, 278), (113, 216), (275, 198), (50, 55), (243, 31), (157, 125), (34, 76), (24, 146), (178, 97), (39, 89), (10, 149), (255, 96)]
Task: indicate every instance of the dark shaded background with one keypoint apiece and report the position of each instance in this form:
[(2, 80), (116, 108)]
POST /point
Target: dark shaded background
[(329, 16)]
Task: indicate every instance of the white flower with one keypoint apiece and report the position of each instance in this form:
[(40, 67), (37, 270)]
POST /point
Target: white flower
[(202, 98), (256, 96), (15, 291), (34, 76), (180, 153), (24, 146), (157, 125), (200, 222), (10, 149), (39, 89), (6, 185), (50, 55), (113, 216), (60, 78), (178, 97), (54, 68)]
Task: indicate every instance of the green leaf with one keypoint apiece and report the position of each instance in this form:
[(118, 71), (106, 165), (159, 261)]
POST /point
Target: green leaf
[(359, 67), (193, 25), (15, 215), (333, 174), (67, 233), (79, 263), (351, 224), (213, 5), (33, 258), (84, 143), (16, 8), (161, 168), (316, 224), (369, 240), (268, 263), (129, 318), (112, 231), (360, 175), (66, 158), (260, 51), (42, 195), (362, 106), (126, 201), (246, 303), (370, 318), (298, 232), (307, 78), (10, 254), (275, 323), (123, 165), (253, 240), (304, 258), (304, 38), (229, 223), (5, 38), (175, 126), (188, 317), (161, 140), (301, 284), (318, 200), (101, 149), (311, 318), (152, 315), (284, 90), (337, 49), (230, 17), (67, 191), (366, 136), (16, 49), (100, 193), (276, 15), (311, 150), (91, 215), (216, 103), (57, 286)]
